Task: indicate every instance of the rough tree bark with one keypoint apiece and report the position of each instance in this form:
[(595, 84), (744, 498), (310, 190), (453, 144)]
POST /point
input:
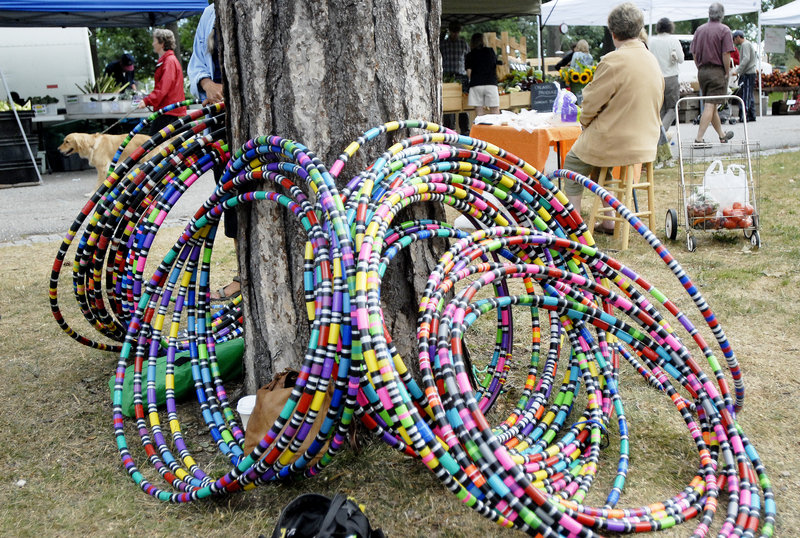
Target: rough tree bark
[(93, 51), (173, 27), (320, 72)]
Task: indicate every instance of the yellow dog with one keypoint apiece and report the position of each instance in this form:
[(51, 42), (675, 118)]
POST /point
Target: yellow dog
[(99, 149)]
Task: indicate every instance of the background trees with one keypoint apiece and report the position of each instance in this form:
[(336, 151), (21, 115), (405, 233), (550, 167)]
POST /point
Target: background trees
[(112, 42)]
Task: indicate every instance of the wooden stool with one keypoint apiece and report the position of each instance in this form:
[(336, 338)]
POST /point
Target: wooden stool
[(624, 189)]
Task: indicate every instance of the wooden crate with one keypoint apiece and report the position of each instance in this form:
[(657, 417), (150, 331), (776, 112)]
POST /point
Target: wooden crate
[(451, 97), (520, 99), (505, 101)]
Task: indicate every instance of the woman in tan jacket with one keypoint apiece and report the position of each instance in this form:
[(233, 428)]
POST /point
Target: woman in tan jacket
[(620, 111)]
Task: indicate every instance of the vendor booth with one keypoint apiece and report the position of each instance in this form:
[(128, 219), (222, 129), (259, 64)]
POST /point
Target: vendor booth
[(787, 84), (512, 52), (21, 156)]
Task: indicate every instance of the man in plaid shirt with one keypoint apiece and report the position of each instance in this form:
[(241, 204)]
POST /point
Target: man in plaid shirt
[(453, 48)]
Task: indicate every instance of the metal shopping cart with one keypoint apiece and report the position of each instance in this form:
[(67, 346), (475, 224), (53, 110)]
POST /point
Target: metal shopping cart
[(719, 185)]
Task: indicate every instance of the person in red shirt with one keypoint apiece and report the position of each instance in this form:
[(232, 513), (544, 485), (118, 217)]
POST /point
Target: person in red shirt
[(712, 46), (168, 81)]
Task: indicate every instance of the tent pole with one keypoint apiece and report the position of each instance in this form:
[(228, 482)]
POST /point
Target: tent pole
[(758, 69), (539, 48)]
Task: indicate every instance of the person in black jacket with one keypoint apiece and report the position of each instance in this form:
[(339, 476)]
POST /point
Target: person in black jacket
[(564, 62), (123, 71), (481, 63)]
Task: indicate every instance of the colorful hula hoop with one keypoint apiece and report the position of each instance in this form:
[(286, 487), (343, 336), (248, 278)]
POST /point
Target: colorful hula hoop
[(532, 471)]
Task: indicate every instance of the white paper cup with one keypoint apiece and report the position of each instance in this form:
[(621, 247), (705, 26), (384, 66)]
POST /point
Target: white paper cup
[(245, 408)]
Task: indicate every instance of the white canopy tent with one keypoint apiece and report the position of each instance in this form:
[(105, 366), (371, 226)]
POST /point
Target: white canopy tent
[(787, 15), (595, 12)]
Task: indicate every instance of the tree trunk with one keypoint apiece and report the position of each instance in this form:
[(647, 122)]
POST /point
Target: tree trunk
[(173, 26), (608, 42), (96, 67), (553, 39), (321, 73)]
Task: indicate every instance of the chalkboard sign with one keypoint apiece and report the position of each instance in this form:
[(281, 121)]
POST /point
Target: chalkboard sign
[(543, 96)]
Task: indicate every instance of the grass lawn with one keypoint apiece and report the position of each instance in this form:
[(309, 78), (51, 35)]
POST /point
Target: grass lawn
[(61, 473)]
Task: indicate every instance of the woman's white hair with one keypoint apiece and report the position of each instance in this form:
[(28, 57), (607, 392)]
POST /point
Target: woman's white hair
[(165, 37), (626, 21)]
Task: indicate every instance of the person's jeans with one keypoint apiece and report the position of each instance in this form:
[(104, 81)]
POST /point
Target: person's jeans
[(748, 96)]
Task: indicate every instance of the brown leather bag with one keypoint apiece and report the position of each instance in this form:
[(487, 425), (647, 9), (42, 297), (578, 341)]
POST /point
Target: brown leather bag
[(270, 400)]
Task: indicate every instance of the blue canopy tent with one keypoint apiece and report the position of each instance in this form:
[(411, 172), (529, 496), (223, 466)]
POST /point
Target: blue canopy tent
[(90, 13), (97, 13)]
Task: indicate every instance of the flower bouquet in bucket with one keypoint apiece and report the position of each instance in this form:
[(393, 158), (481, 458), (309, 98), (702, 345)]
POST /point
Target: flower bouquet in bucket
[(576, 79)]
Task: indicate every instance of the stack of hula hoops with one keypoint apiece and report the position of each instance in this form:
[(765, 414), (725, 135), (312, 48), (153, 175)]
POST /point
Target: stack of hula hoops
[(588, 315)]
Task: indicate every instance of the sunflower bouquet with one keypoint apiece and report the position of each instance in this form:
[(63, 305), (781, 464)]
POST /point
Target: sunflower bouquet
[(583, 75)]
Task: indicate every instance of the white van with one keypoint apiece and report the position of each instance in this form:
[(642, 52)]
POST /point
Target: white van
[(46, 61)]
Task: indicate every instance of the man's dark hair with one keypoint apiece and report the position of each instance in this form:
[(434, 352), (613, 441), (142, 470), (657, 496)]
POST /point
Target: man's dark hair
[(476, 41), (664, 26)]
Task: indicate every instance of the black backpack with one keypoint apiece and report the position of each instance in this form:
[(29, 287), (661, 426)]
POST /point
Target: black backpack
[(318, 516)]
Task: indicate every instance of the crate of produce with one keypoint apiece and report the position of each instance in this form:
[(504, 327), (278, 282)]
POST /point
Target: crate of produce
[(451, 96), (45, 110), (522, 99), (122, 106), (99, 107), (76, 104), (505, 101), (90, 103)]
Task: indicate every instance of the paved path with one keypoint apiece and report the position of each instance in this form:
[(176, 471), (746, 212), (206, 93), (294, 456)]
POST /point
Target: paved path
[(44, 213), (771, 132)]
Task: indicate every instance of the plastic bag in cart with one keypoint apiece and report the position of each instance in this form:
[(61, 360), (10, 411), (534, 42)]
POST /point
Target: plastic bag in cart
[(726, 186), (702, 208)]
